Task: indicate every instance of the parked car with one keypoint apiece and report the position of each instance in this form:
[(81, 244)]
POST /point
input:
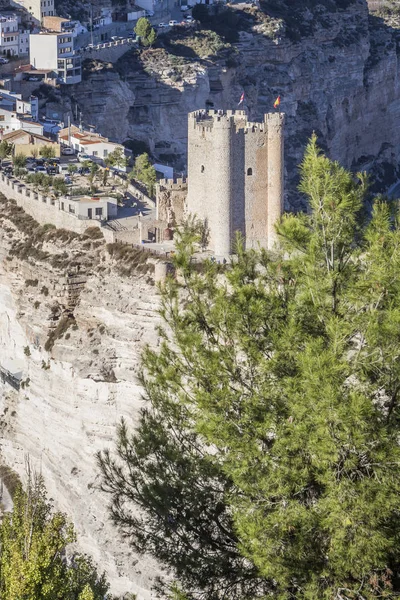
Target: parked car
[(52, 170), (67, 151), (33, 78), (173, 23), (67, 180), (3, 61), (82, 156), (40, 169), (189, 18), (162, 25), (184, 7), (149, 13)]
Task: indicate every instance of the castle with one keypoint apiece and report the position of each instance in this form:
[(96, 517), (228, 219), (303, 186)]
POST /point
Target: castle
[(235, 176)]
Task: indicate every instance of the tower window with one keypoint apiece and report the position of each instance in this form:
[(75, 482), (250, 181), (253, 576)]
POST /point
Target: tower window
[(249, 171), (202, 168)]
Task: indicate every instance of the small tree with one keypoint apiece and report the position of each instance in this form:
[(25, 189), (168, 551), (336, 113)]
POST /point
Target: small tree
[(59, 186), (19, 161), (35, 152), (6, 150), (145, 172), (145, 31), (72, 169), (94, 169), (47, 152), (117, 158)]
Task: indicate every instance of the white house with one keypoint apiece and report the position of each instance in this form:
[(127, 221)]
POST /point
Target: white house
[(55, 51), (10, 121), (148, 5), (88, 142), (103, 19), (135, 14), (90, 208), (28, 107)]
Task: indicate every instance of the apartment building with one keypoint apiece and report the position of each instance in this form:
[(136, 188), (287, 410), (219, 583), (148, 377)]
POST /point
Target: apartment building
[(9, 35), (37, 8), (53, 51)]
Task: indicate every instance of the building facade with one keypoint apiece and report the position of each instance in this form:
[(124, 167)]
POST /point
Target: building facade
[(56, 52), (9, 35), (90, 143), (11, 121), (235, 176), (37, 9)]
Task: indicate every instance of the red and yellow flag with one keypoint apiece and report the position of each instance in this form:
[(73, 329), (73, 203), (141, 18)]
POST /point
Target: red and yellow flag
[(277, 102)]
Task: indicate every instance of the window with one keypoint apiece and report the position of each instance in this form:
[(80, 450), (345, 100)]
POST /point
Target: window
[(202, 169), (99, 212), (249, 171), (105, 153), (95, 153), (62, 205)]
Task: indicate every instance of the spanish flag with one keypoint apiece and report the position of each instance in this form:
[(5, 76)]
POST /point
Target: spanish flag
[(277, 102)]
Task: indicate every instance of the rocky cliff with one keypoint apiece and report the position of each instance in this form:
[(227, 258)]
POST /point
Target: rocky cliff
[(73, 328), (337, 74)]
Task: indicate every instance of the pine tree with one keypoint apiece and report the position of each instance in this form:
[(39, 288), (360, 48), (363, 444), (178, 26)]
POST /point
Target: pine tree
[(273, 411)]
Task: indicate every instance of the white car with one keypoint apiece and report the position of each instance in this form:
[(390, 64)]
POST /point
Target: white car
[(184, 7), (82, 157), (189, 19), (162, 25), (173, 23), (67, 151), (3, 61)]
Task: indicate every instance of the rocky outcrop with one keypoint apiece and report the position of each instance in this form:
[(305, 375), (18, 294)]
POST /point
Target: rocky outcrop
[(340, 80), (78, 355)]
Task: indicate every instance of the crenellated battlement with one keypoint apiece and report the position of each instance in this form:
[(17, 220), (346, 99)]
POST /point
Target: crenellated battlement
[(172, 184), (204, 121)]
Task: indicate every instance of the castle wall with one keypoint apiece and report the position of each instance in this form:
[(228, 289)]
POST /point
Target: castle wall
[(171, 201), (42, 208), (256, 192), (275, 123), (235, 176)]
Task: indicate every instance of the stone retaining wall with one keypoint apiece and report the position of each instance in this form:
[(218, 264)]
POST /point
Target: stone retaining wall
[(43, 208), (109, 51)]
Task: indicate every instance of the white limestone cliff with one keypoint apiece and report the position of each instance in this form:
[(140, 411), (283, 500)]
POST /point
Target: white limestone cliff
[(70, 404)]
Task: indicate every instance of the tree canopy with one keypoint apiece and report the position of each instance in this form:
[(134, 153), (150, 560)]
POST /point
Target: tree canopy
[(144, 172), (267, 461), (33, 542), (145, 31)]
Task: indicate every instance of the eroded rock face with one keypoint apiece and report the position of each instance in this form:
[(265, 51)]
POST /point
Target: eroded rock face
[(342, 81), (72, 397)]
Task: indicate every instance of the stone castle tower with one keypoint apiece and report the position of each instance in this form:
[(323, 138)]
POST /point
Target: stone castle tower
[(235, 176)]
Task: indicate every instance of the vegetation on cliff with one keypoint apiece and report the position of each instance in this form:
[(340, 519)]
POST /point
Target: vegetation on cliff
[(33, 544), (267, 460)]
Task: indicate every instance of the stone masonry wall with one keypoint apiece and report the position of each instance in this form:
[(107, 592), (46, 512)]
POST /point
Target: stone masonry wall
[(171, 200), (42, 208)]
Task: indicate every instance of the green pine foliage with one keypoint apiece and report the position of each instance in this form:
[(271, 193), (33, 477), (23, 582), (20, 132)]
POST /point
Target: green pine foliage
[(267, 460)]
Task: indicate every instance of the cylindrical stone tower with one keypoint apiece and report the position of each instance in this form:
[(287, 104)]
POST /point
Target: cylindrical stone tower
[(275, 122), (222, 180)]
